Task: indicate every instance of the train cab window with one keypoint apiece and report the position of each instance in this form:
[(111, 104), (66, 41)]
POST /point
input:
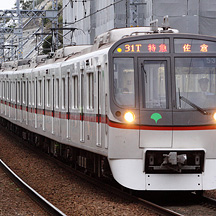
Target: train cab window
[(195, 82), (153, 75), (124, 90)]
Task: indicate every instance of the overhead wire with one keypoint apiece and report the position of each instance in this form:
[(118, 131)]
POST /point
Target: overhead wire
[(97, 11)]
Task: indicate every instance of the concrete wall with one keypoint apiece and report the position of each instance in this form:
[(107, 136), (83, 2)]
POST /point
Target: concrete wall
[(96, 16)]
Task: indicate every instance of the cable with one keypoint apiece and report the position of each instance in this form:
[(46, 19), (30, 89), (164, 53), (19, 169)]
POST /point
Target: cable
[(97, 11), (184, 15)]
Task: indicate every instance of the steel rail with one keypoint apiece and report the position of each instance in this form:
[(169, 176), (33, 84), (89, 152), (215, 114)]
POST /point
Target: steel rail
[(159, 209), (113, 189), (46, 205), (207, 200)]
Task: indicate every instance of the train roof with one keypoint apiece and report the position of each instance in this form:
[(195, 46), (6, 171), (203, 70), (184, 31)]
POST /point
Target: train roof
[(100, 42)]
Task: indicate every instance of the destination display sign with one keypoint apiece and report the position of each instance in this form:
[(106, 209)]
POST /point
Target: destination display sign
[(144, 46), (194, 46)]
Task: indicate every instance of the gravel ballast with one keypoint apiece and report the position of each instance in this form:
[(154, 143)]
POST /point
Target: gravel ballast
[(66, 191)]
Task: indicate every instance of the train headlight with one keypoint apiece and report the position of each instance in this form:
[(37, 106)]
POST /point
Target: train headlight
[(129, 116), (214, 116)]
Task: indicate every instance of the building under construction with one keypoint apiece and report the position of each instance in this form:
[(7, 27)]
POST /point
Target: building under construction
[(83, 20), (93, 17), (23, 31)]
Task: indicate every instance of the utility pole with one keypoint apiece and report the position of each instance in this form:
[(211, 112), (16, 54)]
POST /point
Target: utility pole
[(54, 25), (136, 8), (19, 31)]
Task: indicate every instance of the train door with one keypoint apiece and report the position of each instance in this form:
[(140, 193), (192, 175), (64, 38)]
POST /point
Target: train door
[(29, 99), (68, 103), (48, 101), (44, 102), (82, 126), (98, 142), (64, 102), (155, 103), (19, 99), (53, 102), (24, 100), (35, 101)]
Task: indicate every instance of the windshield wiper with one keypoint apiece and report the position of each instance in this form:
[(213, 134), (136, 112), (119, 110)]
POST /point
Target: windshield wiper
[(144, 71), (204, 112)]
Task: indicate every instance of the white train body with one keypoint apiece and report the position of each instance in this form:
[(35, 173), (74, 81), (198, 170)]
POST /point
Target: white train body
[(80, 100)]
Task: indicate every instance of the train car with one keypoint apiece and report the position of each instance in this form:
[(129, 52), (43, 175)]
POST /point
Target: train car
[(140, 102)]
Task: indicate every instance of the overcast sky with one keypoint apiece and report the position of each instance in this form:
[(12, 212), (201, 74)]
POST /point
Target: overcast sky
[(7, 4)]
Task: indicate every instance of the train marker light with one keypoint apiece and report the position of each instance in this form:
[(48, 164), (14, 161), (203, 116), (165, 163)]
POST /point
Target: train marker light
[(129, 116), (214, 116), (119, 50)]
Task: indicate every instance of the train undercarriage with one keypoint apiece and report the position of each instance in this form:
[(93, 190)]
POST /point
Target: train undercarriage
[(88, 162)]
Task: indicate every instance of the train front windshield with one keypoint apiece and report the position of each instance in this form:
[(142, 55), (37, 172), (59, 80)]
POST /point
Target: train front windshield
[(195, 81)]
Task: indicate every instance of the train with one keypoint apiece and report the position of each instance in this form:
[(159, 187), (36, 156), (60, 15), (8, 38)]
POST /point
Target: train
[(138, 105)]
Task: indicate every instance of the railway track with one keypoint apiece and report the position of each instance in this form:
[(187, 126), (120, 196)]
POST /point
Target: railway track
[(41, 201), (120, 192), (159, 209), (188, 204), (209, 201)]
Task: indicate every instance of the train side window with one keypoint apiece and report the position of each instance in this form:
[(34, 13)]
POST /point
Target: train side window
[(8, 90), (29, 93), (24, 92), (48, 91), (63, 93), (0, 89), (18, 91), (39, 92), (90, 89), (57, 93), (3, 89), (33, 93), (13, 92), (75, 92)]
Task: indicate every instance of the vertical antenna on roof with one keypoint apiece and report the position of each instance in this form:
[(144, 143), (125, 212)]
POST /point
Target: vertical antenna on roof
[(165, 24), (154, 25)]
